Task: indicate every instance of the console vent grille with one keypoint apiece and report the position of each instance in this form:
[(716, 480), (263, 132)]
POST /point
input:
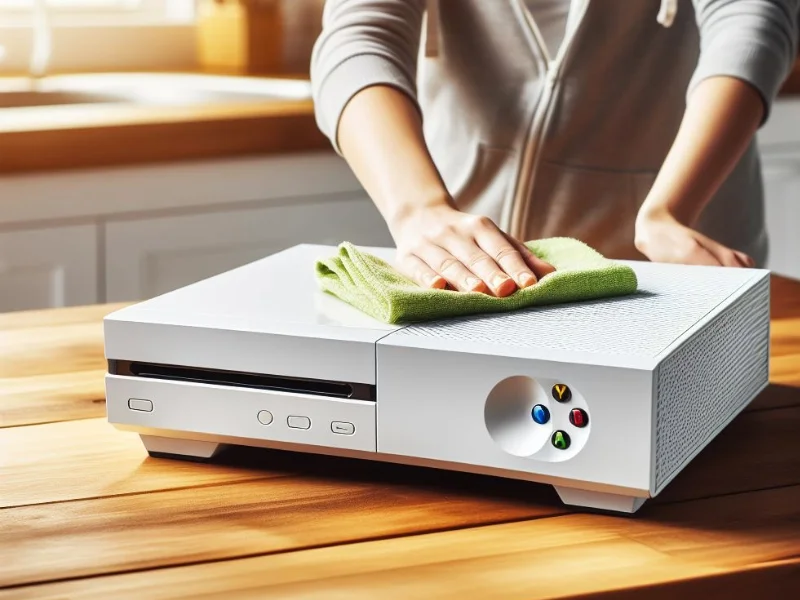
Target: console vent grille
[(709, 379)]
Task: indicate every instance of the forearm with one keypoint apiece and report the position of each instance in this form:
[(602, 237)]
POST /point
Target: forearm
[(363, 75), (722, 116), (380, 136), (747, 49)]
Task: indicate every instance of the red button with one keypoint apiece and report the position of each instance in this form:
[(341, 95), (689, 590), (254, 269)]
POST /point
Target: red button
[(578, 417)]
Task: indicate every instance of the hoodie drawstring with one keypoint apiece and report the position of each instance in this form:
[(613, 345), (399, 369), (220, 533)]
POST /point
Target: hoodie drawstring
[(666, 16), (432, 29), (667, 11)]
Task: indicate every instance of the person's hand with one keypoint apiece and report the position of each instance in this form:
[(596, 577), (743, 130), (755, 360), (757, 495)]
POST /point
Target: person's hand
[(662, 238), (442, 246)]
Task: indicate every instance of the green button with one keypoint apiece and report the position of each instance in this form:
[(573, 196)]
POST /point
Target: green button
[(561, 440)]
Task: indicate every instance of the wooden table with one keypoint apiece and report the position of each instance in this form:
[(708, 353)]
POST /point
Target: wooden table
[(85, 513)]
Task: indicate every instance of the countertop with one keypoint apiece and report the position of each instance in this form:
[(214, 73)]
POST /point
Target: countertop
[(94, 136), (101, 135), (86, 513)]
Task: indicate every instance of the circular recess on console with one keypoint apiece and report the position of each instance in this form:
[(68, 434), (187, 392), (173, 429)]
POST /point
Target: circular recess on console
[(509, 415), (264, 417)]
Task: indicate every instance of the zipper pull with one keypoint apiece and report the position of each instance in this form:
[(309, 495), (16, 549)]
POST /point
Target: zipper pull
[(550, 75)]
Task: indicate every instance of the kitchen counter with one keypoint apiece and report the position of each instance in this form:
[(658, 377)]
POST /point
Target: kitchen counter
[(89, 135), (75, 136), (86, 513)]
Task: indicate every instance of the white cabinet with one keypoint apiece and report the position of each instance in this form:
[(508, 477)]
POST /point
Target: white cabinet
[(48, 268), (130, 233), (782, 191), (147, 257), (779, 143)]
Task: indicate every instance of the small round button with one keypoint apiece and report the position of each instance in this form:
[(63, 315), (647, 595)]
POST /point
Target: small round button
[(561, 440), (578, 417), (561, 393), (264, 417), (540, 414)]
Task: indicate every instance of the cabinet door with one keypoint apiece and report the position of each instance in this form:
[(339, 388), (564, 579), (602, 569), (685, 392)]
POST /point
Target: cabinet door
[(48, 268), (782, 199), (145, 258)]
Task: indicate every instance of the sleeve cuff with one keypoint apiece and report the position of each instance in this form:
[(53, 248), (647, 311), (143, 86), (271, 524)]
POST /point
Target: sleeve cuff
[(346, 80), (749, 61)]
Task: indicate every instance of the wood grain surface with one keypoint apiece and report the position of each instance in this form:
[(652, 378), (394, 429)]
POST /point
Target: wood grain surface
[(85, 513), (716, 544), (52, 365)]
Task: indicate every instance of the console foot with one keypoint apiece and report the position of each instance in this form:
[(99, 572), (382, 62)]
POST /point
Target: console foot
[(600, 500), (193, 450)]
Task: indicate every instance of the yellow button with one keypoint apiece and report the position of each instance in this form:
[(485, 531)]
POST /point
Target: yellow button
[(561, 392)]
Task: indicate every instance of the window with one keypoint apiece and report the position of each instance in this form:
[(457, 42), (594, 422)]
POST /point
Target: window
[(69, 4), (99, 34), (94, 10)]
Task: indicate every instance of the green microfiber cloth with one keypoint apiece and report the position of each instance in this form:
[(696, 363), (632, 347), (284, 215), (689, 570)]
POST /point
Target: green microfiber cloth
[(376, 288)]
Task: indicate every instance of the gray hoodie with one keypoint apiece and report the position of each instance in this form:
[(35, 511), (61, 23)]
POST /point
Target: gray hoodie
[(570, 143)]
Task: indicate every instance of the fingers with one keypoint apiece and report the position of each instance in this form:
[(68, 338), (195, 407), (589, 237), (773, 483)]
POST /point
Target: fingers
[(480, 264), (728, 259), (470, 253), (702, 256), (539, 267), (484, 266), (725, 256), (458, 276), (502, 260), (420, 272), (744, 259), (511, 255)]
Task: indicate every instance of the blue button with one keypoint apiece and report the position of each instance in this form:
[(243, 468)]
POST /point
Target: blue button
[(540, 414)]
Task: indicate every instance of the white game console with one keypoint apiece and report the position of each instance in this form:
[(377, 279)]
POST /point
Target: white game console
[(607, 400)]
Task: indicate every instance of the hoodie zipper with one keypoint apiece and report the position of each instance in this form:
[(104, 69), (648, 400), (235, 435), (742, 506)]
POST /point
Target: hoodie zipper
[(552, 66)]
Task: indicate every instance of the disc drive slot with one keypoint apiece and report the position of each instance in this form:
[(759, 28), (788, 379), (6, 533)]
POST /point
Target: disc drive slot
[(259, 381)]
